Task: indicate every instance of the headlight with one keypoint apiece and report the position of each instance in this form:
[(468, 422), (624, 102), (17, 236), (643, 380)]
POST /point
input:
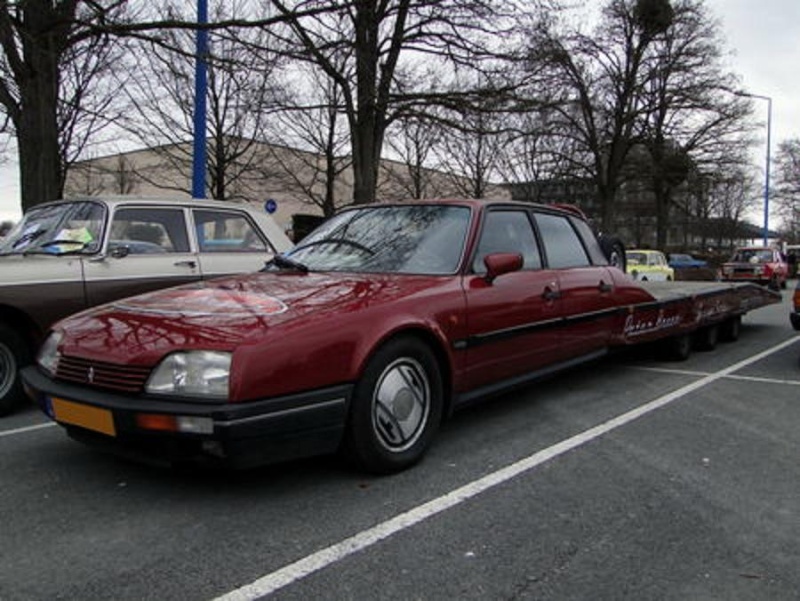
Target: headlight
[(49, 355), (194, 373)]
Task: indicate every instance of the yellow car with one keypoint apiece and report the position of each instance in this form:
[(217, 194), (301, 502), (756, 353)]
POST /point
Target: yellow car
[(644, 265)]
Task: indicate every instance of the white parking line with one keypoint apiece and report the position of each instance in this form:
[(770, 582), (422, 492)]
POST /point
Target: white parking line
[(684, 372), (366, 538), (26, 429)]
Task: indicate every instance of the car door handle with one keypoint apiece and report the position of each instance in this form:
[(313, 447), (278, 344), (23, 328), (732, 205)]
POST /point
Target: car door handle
[(188, 263), (603, 287), (550, 295)]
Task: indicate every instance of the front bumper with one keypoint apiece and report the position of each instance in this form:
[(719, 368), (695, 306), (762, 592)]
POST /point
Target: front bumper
[(241, 435)]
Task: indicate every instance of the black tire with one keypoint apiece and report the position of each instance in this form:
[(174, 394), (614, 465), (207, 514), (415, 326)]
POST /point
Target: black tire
[(676, 348), (614, 250), (14, 354), (396, 407), (705, 339), (729, 329)]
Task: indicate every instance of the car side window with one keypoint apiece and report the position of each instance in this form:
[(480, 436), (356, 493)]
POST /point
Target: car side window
[(149, 230), (562, 244), (507, 232), (227, 231)]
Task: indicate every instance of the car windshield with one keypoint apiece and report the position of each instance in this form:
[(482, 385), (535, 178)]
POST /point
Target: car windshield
[(74, 227), (636, 258), (413, 239), (749, 255)]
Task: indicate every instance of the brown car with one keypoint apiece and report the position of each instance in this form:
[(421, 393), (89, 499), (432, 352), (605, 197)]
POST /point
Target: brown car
[(66, 256)]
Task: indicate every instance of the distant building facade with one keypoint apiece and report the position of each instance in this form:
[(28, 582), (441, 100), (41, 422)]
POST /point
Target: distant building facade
[(293, 179)]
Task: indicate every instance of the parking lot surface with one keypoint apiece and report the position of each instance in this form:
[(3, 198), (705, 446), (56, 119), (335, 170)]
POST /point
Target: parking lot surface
[(627, 479)]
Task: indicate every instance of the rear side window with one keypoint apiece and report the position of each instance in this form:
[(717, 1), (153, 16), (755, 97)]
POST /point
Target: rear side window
[(149, 230), (590, 241), (227, 231), (562, 244)]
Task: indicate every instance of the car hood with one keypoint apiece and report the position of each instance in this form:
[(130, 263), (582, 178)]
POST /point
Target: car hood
[(225, 313)]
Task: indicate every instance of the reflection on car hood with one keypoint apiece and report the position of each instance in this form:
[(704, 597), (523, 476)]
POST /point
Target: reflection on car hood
[(222, 314)]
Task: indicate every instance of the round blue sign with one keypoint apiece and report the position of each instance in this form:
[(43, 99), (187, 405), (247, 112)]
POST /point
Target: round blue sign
[(271, 206)]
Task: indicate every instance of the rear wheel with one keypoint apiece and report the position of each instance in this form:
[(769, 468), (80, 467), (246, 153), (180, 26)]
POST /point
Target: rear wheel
[(676, 348), (729, 330), (396, 408), (705, 339), (14, 354)]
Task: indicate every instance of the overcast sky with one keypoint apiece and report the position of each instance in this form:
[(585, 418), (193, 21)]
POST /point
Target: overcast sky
[(762, 36)]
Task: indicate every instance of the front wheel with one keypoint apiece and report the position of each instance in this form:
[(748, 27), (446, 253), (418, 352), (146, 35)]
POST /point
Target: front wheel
[(13, 355), (396, 407)]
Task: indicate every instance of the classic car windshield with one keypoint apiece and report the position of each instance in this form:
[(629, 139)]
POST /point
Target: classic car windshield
[(414, 239), (57, 229), (747, 255)]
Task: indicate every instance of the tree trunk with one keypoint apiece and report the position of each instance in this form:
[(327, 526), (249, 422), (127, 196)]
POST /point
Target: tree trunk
[(40, 159)]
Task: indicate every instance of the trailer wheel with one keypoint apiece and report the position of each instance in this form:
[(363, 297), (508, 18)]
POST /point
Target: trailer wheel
[(705, 339), (729, 329), (676, 348)]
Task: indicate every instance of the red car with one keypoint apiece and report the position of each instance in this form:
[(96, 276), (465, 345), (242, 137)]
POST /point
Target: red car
[(381, 322), (757, 264)]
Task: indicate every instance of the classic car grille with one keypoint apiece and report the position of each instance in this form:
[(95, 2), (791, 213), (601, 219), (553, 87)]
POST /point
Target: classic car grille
[(124, 378)]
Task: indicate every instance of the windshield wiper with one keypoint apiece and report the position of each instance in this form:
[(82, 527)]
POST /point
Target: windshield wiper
[(283, 262), (27, 238)]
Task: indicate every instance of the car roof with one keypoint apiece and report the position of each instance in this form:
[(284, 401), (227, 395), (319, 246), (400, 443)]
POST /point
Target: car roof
[(479, 203), (155, 200)]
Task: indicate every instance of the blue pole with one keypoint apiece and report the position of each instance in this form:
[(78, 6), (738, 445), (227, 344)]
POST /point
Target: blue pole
[(200, 86)]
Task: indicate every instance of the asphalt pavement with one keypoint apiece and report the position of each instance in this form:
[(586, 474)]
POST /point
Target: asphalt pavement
[(628, 479)]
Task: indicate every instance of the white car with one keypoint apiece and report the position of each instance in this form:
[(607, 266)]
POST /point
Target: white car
[(68, 255)]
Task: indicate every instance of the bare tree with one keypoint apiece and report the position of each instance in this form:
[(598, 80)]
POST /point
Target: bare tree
[(308, 139), (239, 95), (690, 120), (374, 37), (787, 186), (413, 140), (51, 62), (595, 81)]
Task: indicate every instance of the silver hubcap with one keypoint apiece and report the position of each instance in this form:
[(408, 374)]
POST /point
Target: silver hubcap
[(401, 404)]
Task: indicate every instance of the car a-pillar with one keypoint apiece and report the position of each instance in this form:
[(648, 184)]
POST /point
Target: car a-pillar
[(15, 353)]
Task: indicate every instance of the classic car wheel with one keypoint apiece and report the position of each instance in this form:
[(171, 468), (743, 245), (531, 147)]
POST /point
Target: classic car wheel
[(396, 409), (12, 348)]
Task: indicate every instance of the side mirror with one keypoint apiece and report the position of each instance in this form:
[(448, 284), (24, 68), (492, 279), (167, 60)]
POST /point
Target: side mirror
[(498, 264)]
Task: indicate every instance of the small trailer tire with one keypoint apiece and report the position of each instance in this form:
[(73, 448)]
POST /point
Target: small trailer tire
[(676, 348), (730, 328), (705, 339)]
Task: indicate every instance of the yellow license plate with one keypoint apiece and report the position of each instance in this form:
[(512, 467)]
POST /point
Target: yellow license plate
[(85, 416)]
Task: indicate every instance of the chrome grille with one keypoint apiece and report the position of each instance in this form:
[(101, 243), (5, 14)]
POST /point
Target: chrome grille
[(125, 378)]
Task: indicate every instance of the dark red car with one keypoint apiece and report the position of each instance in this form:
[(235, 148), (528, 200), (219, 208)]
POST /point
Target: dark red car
[(380, 323), (760, 264)]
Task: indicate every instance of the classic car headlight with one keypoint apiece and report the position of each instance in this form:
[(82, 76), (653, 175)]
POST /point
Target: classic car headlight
[(49, 355), (192, 373)]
